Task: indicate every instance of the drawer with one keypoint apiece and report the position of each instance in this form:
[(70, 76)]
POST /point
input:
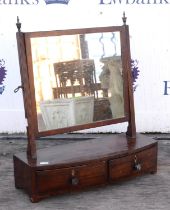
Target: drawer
[(66, 179), (133, 165)]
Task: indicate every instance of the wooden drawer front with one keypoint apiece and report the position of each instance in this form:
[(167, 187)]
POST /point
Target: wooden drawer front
[(121, 168), (71, 178)]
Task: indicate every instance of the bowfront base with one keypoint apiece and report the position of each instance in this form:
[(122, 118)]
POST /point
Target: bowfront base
[(80, 165)]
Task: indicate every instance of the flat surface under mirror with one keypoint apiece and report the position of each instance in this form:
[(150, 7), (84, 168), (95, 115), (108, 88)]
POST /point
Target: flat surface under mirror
[(78, 79)]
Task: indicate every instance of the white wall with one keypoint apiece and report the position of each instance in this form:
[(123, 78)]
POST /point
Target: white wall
[(150, 45)]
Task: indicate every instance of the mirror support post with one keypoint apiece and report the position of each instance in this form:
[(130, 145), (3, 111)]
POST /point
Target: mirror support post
[(131, 130), (31, 147)]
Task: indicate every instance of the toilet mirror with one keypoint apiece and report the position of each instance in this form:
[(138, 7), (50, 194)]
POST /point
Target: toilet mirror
[(77, 78)]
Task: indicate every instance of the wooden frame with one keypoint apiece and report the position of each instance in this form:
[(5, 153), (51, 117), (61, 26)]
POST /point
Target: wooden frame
[(24, 48)]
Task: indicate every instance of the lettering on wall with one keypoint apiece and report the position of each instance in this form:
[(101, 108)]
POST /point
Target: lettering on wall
[(32, 2), (2, 75), (105, 2), (100, 2), (166, 87), (19, 2)]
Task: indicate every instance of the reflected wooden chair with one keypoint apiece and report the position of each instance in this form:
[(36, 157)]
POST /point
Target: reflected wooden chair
[(75, 78), (78, 78)]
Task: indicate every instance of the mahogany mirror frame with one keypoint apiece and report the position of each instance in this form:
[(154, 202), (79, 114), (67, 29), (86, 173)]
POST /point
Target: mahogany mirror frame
[(27, 80)]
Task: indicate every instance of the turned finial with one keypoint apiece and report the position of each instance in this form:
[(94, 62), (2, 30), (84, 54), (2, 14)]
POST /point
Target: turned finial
[(18, 24), (124, 18)]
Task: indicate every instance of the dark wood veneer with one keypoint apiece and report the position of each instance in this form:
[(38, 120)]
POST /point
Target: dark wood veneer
[(85, 164), (95, 162)]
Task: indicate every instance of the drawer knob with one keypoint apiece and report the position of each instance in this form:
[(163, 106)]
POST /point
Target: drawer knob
[(137, 166), (74, 181)]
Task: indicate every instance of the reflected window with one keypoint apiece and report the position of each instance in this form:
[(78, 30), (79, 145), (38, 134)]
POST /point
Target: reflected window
[(45, 52)]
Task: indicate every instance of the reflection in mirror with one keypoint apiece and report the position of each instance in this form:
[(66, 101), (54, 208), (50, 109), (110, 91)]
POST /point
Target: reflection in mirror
[(78, 79)]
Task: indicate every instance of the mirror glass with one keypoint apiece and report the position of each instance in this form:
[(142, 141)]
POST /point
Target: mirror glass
[(78, 79)]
